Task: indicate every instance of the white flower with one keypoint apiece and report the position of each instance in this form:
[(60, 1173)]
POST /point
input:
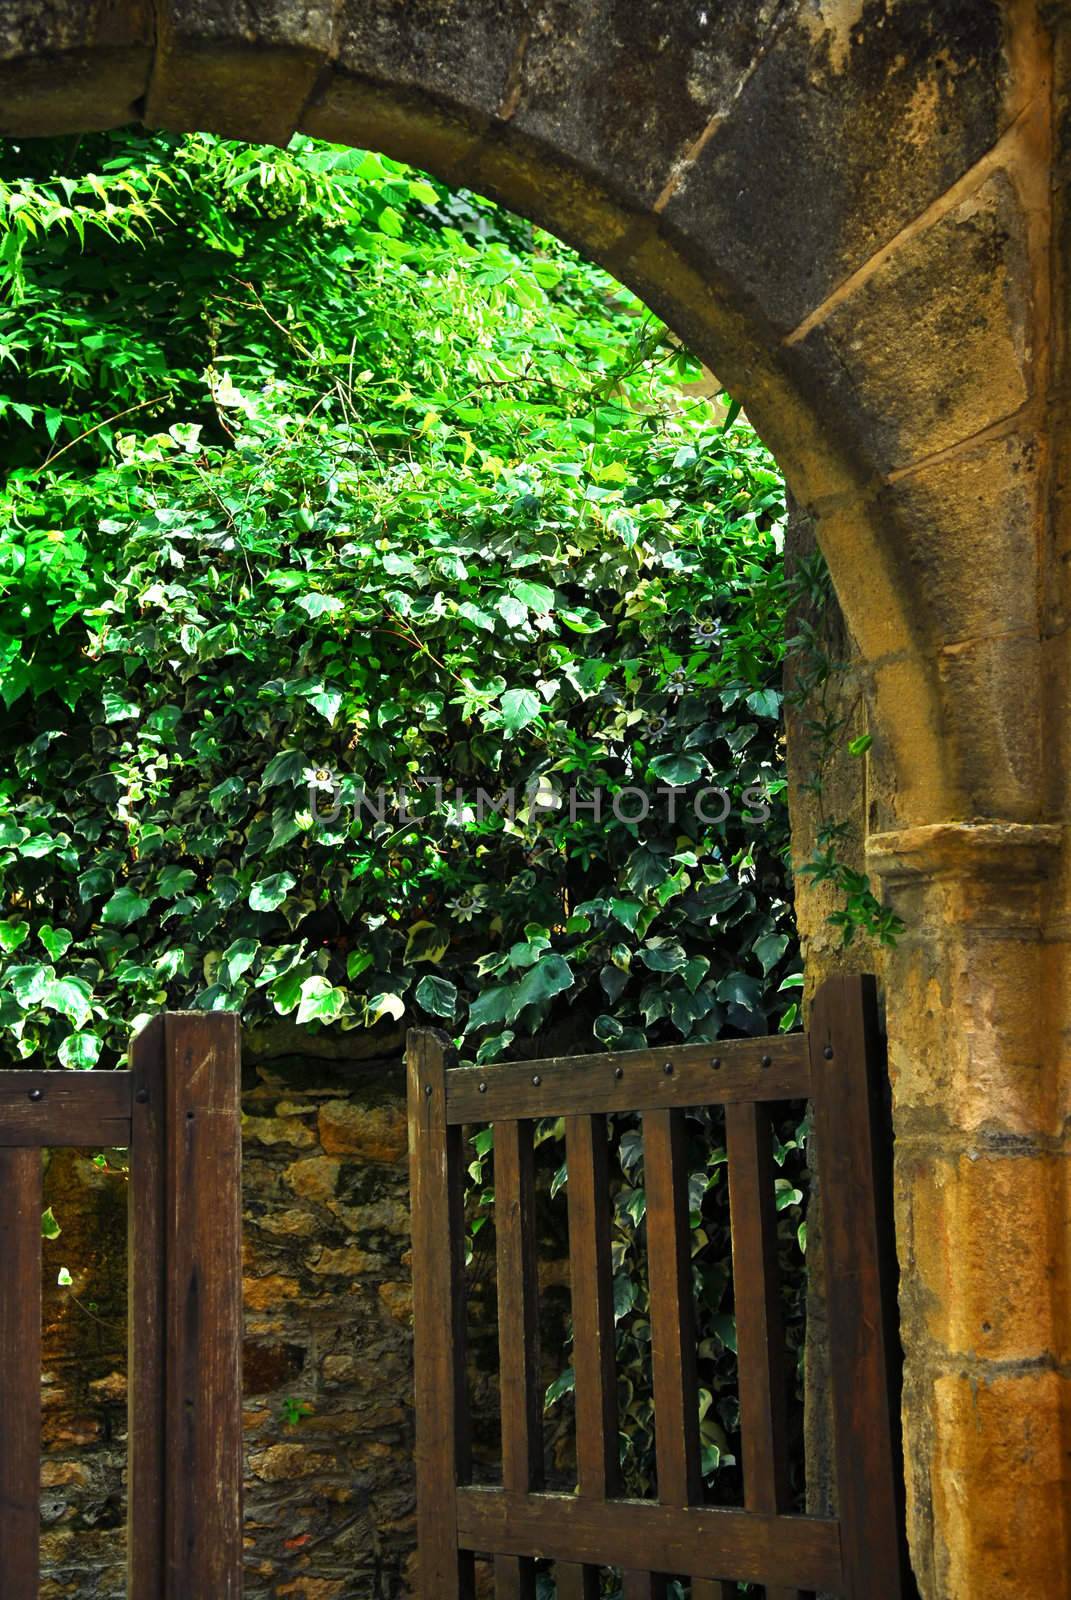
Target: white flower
[(467, 904), (706, 634), (677, 682)]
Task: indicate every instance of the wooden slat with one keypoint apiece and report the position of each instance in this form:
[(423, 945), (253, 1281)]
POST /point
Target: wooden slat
[(64, 1109), (146, 1318), (20, 1372), (644, 1586), (443, 1455), (634, 1080), (591, 1277), (854, 1156), (575, 1582), (521, 1402), (203, 1391), (760, 1340), (638, 1534), (515, 1578), (712, 1589), (598, 1454), (672, 1309)]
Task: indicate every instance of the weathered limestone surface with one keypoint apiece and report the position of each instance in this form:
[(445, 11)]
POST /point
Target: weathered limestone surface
[(855, 212)]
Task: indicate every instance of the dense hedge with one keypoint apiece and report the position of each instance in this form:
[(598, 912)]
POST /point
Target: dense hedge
[(423, 507)]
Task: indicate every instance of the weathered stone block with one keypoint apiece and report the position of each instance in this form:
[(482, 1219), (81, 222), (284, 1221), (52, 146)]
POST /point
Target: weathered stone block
[(858, 117), (628, 90), (972, 513), (966, 1271), (936, 343), (376, 1133), (1000, 1484)]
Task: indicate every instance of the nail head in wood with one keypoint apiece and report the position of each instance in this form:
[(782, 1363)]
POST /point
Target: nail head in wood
[(427, 1090), (142, 1097), (536, 1079), (715, 1062), (828, 1052), (619, 1072), (668, 1069), (36, 1094), (767, 1061), (483, 1088)]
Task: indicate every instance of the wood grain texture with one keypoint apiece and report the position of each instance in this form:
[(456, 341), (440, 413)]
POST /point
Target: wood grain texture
[(203, 1317), (146, 1328), (644, 1586), (443, 1456), (854, 1158), (639, 1535), (20, 1372), (634, 1080), (592, 1296), (520, 1383), (64, 1109), (672, 1309), (576, 1582), (760, 1338)]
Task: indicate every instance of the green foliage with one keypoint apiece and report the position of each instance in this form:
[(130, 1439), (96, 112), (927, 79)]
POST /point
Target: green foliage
[(421, 501), (817, 673)]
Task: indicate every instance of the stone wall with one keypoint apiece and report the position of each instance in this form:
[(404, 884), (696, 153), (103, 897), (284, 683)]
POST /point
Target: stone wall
[(329, 1487)]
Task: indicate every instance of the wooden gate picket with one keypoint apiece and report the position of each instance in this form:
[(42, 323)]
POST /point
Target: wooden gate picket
[(860, 1552), (177, 1111)]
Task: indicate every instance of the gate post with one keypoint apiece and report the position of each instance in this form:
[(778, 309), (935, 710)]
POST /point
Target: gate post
[(852, 1125), (185, 1470)]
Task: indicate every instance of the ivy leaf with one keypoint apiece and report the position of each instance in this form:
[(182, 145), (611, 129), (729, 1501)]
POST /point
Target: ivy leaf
[(238, 958), (770, 949), (117, 708), (50, 1228), (320, 605), (70, 997), (564, 1384), (269, 893), (384, 1005), (13, 932), (765, 703), (124, 907), (437, 996), (678, 770), (550, 976), (174, 881), (28, 983), (327, 701), (663, 955), (320, 1001), (287, 767), (535, 595), (425, 943), (80, 1051), (512, 611), (57, 941), (490, 1006), (519, 708)]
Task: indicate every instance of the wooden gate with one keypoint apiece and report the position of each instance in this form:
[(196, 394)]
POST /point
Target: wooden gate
[(860, 1553), (177, 1111)]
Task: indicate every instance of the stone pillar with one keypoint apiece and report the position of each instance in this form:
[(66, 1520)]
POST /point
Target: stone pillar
[(976, 997)]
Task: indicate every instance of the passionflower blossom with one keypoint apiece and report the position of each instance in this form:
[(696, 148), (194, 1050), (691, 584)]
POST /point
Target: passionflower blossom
[(706, 633), (467, 904)]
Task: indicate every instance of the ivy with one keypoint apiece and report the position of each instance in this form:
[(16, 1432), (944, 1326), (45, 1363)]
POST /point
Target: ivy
[(408, 506)]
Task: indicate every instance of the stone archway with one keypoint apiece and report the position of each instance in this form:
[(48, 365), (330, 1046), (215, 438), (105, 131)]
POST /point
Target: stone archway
[(848, 207)]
